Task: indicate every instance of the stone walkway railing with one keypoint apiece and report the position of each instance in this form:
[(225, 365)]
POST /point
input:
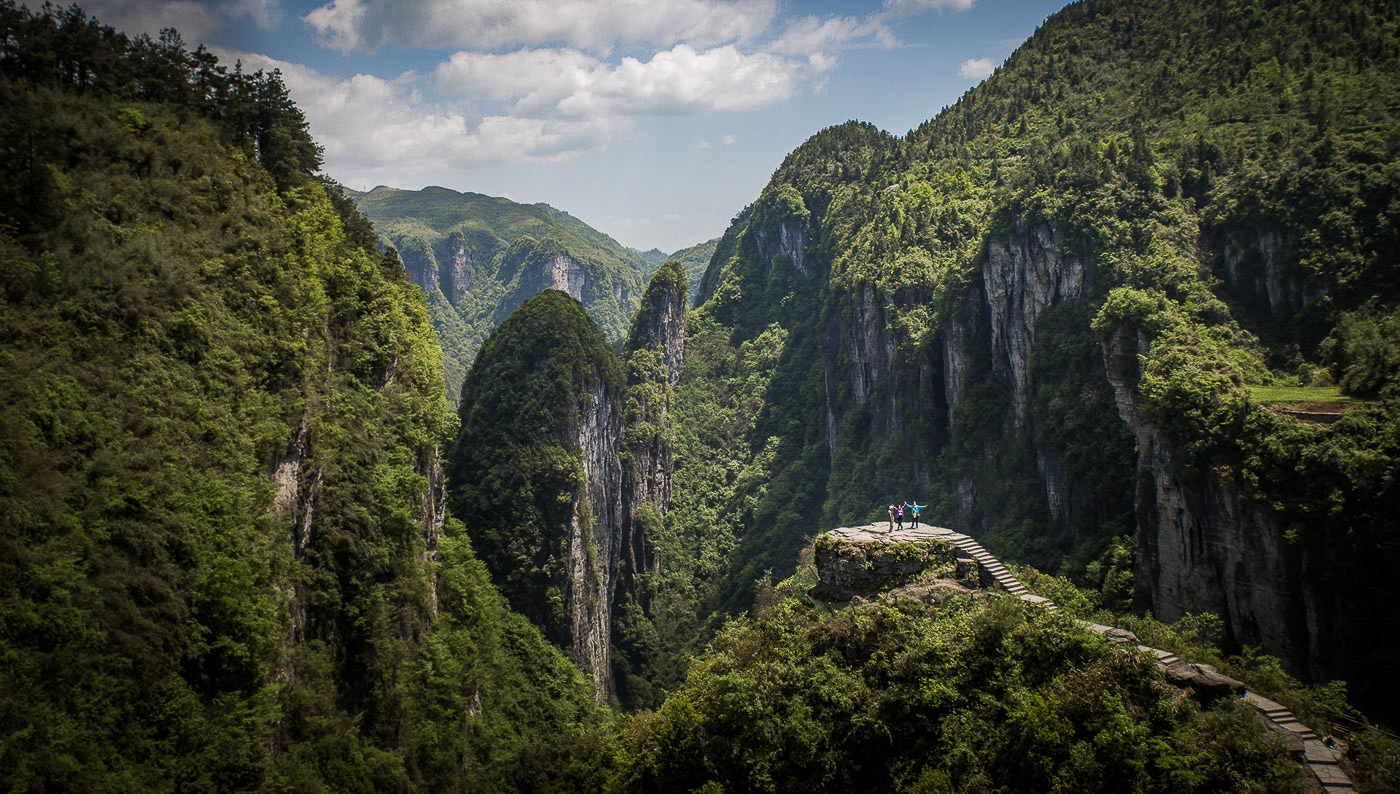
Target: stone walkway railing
[(1323, 761)]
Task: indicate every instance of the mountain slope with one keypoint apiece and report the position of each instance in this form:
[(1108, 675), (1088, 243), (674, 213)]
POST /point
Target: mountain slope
[(694, 260), (224, 559), (1045, 310), (478, 258)]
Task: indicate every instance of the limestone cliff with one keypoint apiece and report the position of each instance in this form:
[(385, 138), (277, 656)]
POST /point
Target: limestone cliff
[(536, 476), (652, 357)]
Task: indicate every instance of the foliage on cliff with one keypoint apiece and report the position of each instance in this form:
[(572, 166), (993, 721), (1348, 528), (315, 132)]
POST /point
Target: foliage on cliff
[(478, 258), (1164, 147), (694, 260), (516, 469), (971, 696), (183, 301)]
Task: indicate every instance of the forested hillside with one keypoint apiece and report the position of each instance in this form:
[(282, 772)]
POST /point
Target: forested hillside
[(695, 260), (1129, 312), (224, 559), (478, 258), (1075, 312)]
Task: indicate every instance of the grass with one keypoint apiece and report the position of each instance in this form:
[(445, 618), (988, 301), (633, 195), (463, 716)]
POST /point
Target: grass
[(1299, 394)]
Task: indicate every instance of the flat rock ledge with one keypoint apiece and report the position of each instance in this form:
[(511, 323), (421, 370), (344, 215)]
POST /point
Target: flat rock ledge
[(853, 561)]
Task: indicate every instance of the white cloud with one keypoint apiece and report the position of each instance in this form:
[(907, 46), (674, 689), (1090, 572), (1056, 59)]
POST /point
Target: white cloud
[(703, 145), (382, 131), (594, 25), (537, 78), (678, 81), (908, 7), (266, 14), (729, 140), (812, 35), (194, 20), (682, 81), (976, 68)]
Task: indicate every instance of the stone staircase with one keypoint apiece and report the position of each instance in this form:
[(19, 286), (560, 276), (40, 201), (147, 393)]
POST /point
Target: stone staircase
[(1323, 761)]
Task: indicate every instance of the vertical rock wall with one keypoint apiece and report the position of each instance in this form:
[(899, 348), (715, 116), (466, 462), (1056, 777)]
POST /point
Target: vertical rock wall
[(595, 539)]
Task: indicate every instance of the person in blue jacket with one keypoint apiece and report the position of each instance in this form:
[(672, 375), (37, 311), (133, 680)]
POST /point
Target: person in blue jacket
[(913, 510)]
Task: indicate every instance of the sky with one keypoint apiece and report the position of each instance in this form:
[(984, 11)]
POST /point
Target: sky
[(655, 121)]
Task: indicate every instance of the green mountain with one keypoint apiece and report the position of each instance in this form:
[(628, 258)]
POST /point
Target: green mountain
[(1127, 312), (478, 258), (695, 260), (224, 558), (654, 257), (1064, 312)]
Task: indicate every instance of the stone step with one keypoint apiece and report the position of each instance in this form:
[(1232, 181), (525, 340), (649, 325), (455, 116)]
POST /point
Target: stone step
[(1331, 775)]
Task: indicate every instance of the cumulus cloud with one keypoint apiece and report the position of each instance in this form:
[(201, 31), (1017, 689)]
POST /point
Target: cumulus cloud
[(593, 25), (197, 21), (908, 7), (571, 84), (382, 130), (976, 68), (194, 20)]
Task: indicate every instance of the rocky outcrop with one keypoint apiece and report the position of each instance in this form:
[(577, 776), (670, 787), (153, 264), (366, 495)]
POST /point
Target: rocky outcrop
[(1201, 547), (595, 539), (1258, 266), (1027, 271), (536, 474), (789, 240), (457, 279), (565, 274), (652, 357), (851, 562)]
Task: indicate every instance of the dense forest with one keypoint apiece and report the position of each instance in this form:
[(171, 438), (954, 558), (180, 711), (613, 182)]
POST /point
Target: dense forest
[(247, 545), (225, 563), (478, 258), (1079, 305)]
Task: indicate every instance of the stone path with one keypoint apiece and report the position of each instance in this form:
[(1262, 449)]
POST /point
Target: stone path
[(1321, 760)]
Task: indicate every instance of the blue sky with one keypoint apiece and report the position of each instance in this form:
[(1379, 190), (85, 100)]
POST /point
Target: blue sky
[(653, 120)]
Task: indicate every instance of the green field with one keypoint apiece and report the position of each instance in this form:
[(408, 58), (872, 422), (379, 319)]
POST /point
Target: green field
[(1299, 394)]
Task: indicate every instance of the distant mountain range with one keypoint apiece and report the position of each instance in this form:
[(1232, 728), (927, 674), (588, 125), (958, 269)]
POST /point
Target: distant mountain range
[(479, 257)]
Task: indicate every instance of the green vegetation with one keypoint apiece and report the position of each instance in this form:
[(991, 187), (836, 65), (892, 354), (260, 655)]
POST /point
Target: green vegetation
[(695, 259), (516, 471), (478, 258), (187, 311), (1221, 175), (968, 696), (1286, 395)]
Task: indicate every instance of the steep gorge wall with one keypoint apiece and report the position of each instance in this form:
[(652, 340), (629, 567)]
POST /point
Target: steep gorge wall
[(1202, 547)]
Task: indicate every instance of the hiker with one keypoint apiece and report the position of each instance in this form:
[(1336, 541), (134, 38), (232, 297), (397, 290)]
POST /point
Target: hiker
[(914, 510), (899, 515), (891, 517)]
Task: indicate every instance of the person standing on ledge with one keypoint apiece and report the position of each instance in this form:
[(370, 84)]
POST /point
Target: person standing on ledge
[(891, 518), (914, 510), (899, 515)]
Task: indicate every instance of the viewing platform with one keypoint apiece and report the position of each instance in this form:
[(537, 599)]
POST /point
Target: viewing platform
[(852, 561)]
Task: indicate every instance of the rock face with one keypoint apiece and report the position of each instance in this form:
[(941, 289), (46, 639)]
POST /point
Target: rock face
[(536, 475), (595, 538), (1258, 268), (878, 389), (1026, 273), (850, 567), (653, 355)]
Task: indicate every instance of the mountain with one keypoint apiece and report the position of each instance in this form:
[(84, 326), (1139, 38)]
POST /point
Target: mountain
[(563, 462), (1065, 312), (1127, 312), (225, 561), (478, 258), (654, 257), (695, 260)]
